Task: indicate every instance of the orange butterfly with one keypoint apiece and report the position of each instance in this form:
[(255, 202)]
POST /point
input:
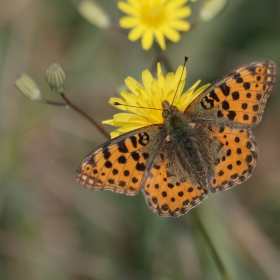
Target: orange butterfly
[(208, 147)]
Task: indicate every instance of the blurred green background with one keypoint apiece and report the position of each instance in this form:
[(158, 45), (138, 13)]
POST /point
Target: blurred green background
[(53, 228)]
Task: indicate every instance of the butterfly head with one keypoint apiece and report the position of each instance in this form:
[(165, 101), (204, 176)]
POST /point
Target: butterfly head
[(167, 109)]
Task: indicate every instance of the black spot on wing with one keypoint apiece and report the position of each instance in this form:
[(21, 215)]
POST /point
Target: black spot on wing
[(122, 147), (214, 96), (225, 89)]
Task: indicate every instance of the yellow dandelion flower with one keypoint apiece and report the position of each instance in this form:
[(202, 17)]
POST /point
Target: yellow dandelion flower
[(154, 18), (150, 96)]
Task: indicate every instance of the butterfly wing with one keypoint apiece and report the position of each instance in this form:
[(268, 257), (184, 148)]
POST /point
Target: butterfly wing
[(171, 189), (232, 155), (237, 99), (120, 164), (143, 159)]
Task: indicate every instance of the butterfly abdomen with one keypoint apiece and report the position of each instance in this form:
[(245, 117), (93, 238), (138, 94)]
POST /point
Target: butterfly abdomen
[(187, 148)]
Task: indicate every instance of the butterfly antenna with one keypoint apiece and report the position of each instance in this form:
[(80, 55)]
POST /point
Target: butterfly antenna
[(186, 59), (138, 107)]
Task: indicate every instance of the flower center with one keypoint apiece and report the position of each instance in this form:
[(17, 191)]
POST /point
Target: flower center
[(153, 14)]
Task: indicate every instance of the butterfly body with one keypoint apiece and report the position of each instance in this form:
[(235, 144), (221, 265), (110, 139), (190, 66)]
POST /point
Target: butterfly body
[(183, 141), (207, 147)]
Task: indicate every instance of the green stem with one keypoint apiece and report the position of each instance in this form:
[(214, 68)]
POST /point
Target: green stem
[(195, 24), (80, 111), (218, 261), (53, 103)]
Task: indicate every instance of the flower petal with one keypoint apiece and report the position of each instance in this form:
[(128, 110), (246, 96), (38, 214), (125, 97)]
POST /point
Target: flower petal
[(181, 13), (180, 25), (147, 39), (180, 74), (127, 9), (128, 22), (171, 34), (132, 85), (160, 39), (134, 3), (175, 4), (147, 79), (136, 33)]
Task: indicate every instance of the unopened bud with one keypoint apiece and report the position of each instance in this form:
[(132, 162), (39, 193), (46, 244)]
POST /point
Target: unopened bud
[(27, 87), (212, 8), (56, 78), (93, 13)]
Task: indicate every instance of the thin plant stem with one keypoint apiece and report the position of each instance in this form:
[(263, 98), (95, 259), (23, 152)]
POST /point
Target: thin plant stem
[(118, 30), (221, 268), (53, 103), (80, 111), (195, 24)]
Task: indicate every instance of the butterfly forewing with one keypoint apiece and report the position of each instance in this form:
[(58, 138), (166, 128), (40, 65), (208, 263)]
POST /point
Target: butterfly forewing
[(121, 164), (237, 99)]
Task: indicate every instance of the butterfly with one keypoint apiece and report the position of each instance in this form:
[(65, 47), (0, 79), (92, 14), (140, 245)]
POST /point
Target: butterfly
[(208, 147)]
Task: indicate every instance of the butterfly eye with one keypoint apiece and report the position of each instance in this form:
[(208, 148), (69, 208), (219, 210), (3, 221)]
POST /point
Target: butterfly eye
[(174, 109), (165, 114)]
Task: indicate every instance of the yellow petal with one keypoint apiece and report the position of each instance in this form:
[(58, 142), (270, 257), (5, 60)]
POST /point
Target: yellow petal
[(128, 22), (132, 85), (135, 4), (147, 79), (180, 74), (160, 39), (171, 34), (129, 98), (125, 118), (192, 88), (136, 33), (147, 39), (113, 100), (175, 4), (127, 9), (181, 13), (180, 25), (123, 130), (169, 84), (159, 71)]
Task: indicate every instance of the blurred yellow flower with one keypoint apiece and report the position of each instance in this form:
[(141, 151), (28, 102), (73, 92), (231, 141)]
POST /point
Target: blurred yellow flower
[(155, 18), (150, 96)]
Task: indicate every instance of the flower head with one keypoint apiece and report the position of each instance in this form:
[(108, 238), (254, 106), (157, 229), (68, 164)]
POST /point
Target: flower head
[(150, 96), (155, 18)]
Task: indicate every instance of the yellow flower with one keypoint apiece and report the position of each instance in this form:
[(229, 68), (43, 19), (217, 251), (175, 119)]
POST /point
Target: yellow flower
[(150, 96), (154, 18)]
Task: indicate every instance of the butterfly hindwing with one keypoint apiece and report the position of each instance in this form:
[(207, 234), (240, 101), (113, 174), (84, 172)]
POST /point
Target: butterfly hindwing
[(236, 99), (235, 158), (171, 188)]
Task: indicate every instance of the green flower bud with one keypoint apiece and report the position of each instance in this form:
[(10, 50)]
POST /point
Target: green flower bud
[(56, 78), (211, 8), (93, 13), (27, 87)]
